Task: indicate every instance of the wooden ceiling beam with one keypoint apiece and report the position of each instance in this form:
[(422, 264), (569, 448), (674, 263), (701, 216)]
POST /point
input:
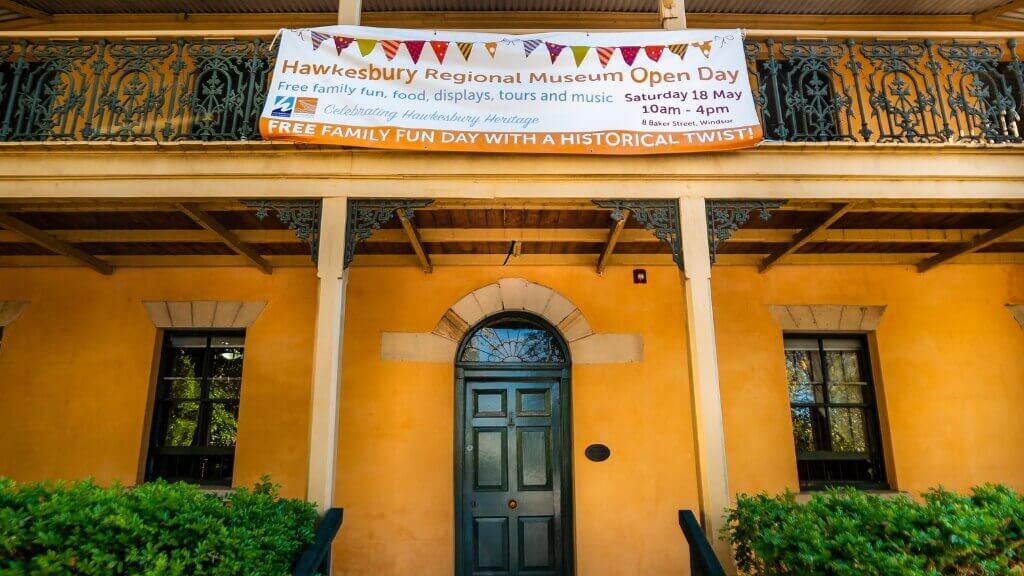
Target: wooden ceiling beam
[(871, 235), (613, 239), (911, 207), (805, 236), (20, 8), (590, 235), (979, 242), (37, 236), (149, 205), (130, 236), (998, 11), (204, 219), (414, 239)]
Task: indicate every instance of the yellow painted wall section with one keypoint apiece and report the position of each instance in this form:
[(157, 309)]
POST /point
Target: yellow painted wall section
[(77, 368), (396, 461), (949, 363)]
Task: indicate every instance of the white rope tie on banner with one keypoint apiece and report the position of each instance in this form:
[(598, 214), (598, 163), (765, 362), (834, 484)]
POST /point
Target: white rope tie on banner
[(276, 38)]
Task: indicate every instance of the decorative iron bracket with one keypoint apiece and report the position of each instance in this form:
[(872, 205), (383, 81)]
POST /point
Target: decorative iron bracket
[(726, 216), (661, 217), (302, 216), (365, 216)]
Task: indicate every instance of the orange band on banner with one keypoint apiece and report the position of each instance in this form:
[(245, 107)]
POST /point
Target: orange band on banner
[(622, 142)]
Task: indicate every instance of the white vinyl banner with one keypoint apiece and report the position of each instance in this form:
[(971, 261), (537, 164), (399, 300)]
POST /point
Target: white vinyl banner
[(565, 92)]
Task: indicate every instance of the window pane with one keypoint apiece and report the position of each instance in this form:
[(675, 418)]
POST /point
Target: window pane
[(225, 388), (186, 362), (182, 423), (226, 362), (843, 367), (223, 423), (846, 393), (803, 430), (804, 372), (183, 389), (849, 431)]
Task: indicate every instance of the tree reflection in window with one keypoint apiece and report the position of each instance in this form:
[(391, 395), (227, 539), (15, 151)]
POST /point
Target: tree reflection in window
[(510, 340)]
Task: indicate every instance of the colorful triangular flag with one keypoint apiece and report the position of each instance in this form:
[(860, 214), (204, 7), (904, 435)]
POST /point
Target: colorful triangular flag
[(415, 48), (492, 47), (317, 39), (366, 46), (678, 49), (529, 46), (654, 52), (629, 53), (440, 48), (604, 54), (554, 50), (466, 48), (340, 43), (390, 48), (579, 53), (705, 47)]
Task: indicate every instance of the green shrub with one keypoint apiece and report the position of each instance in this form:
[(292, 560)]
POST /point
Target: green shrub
[(848, 533), (157, 529)]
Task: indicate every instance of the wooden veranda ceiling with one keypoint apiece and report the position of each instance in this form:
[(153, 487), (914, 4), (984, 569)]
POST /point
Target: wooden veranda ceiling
[(106, 235)]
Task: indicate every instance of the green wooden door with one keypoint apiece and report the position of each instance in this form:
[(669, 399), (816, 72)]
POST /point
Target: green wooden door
[(513, 520)]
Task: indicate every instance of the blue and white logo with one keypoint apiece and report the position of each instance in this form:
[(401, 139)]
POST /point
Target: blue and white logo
[(283, 106)]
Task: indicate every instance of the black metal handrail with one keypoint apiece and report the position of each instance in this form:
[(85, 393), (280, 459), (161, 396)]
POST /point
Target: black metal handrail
[(316, 558), (703, 561)]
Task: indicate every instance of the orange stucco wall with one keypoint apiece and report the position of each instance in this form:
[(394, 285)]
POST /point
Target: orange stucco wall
[(948, 359), (76, 371), (395, 471)]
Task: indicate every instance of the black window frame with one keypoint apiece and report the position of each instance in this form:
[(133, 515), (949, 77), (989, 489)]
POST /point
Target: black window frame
[(814, 467), (202, 453)]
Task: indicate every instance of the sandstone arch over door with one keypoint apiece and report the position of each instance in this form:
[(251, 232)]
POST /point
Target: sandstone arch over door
[(513, 295)]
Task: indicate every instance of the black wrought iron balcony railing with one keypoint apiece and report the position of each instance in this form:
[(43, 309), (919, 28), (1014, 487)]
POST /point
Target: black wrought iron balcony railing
[(865, 87)]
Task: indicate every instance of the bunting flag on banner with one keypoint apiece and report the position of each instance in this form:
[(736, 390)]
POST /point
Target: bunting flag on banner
[(678, 50), (529, 46), (440, 48), (340, 43), (390, 48), (579, 53), (317, 39), (654, 52), (415, 48), (366, 46), (554, 50), (629, 53)]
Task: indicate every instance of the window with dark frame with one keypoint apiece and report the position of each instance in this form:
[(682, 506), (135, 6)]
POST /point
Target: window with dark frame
[(835, 417), (195, 419)]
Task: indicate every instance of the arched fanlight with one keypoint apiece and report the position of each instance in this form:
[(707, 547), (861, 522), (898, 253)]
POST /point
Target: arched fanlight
[(513, 339)]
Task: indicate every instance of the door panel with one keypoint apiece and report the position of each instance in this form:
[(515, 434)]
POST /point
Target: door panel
[(490, 456), (490, 537), (512, 520), (536, 544), (534, 458)]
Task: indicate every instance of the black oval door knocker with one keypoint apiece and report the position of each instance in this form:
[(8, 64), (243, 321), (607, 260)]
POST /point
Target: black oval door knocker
[(597, 452)]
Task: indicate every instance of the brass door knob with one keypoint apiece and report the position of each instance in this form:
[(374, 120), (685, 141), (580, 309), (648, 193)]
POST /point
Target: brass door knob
[(513, 504)]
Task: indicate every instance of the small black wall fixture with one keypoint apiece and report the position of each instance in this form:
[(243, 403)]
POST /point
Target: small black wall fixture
[(597, 452)]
